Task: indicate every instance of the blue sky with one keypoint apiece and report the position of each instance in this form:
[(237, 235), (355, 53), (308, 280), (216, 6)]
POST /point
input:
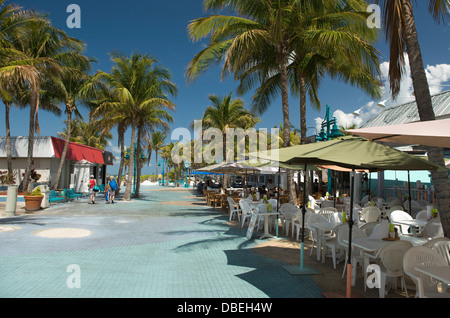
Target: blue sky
[(158, 28)]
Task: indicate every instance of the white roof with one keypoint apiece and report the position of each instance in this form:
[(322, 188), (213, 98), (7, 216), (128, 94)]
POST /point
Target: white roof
[(407, 113), (42, 147)]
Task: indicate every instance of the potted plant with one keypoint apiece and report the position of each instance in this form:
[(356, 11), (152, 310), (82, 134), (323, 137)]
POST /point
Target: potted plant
[(33, 199)]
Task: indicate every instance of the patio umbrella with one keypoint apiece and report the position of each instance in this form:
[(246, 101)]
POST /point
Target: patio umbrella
[(353, 153), (428, 133)]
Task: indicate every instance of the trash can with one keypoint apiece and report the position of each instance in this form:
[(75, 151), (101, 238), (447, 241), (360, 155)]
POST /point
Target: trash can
[(45, 190), (11, 200)]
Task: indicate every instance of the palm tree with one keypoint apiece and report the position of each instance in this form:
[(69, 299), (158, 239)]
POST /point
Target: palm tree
[(331, 40), (106, 108), (90, 134), (50, 49), (156, 140), (132, 80), (401, 32), (70, 90), (16, 69), (293, 136), (225, 113), (263, 36)]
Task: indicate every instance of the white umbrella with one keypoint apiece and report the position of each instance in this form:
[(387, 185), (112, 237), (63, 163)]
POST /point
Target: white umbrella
[(434, 133)]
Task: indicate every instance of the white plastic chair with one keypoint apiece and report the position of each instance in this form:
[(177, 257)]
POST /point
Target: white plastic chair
[(433, 242), (312, 200), (331, 244), (289, 211), (364, 200), (394, 201), (443, 248), (422, 215), (415, 207), (394, 208), (298, 220), (370, 214), (315, 218), (327, 212), (401, 215), (433, 229), (420, 256), (368, 227), (391, 261), (327, 204), (356, 257), (337, 217), (234, 208), (246, 211)]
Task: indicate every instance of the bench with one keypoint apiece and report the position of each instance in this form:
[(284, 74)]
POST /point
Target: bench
[(55, 197), (70, 194)]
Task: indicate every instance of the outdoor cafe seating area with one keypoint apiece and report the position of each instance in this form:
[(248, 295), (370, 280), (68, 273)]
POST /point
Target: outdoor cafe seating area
[(386, 232), (397, 239)]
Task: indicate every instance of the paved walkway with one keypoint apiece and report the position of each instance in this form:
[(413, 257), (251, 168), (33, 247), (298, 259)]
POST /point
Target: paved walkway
[(166, 245)]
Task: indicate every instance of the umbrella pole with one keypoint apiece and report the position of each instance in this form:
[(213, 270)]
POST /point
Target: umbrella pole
[(303, 219), (409, 195), (278, 202), (334, 196), (350, 225)]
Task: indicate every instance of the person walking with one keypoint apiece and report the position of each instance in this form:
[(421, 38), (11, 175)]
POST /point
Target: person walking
[(92, 184), (112, 186)]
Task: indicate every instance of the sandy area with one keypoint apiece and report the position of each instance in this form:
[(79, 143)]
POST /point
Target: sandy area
[(62, 233)]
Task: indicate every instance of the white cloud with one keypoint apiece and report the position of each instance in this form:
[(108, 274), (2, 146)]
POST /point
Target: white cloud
[(437, 76)]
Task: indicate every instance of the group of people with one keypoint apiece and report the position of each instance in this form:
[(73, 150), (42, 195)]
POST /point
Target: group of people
[(110, 189)]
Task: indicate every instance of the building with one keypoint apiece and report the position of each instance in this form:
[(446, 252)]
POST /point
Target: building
[(408, 113), (81, 161), (393, 182)]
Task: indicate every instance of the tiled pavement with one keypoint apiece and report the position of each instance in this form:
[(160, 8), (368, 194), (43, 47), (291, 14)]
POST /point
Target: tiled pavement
[(151, 248)]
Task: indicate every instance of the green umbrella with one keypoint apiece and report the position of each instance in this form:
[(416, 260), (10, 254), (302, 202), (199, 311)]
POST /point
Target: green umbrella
[(356, 152), (353, 153)]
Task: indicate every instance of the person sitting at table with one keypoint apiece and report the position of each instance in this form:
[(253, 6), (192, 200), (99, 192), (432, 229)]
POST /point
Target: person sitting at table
[(271, 186), (262, 190)]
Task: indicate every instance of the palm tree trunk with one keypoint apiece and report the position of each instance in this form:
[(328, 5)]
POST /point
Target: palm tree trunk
[(138, 163), (8, 139), (121, 133), (127, 194), (425, 109), (33, 109), (303, 129), (64, 153), (286, 124), (156, 166), (302, 110)]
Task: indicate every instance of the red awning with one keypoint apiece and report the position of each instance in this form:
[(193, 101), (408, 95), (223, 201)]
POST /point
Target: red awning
[(77, 152)]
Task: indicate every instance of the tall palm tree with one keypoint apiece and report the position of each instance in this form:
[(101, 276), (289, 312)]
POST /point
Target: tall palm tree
[(155, 114), (225, 113), (263, 35), (51, 49), (108, 112), (16, 69), (156, 139), (133, 79), (402, 35), (70, 90), (331, 40)]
